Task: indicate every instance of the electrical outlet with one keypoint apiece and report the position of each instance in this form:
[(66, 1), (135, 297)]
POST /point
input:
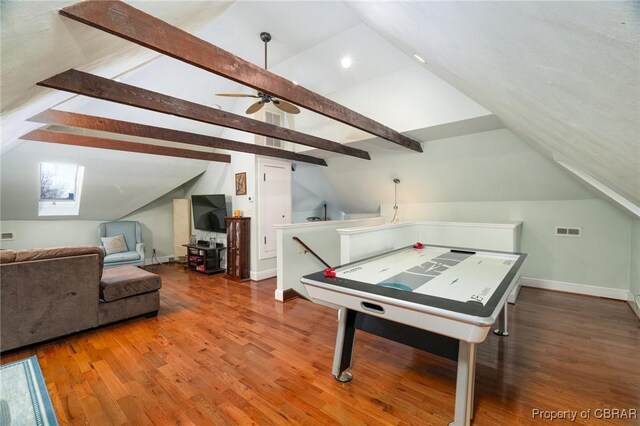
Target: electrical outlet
[(171, 259), (154, 252)]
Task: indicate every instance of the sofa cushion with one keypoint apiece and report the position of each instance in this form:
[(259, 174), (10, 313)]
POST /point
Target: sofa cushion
[(115, 244), (125, 281), (7, 256), (55, 252), (122, 257)]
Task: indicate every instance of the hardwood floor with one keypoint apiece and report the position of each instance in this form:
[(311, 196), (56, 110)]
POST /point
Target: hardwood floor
[(221, 352)]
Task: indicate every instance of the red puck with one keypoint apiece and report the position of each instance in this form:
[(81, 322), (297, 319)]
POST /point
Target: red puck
[(418, 246), (330, 273)]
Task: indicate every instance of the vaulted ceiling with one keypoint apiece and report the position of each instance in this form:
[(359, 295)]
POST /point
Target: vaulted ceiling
[(562, 76)]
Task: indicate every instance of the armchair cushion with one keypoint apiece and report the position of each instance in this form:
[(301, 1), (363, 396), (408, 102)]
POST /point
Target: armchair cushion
[(134, 247), (115, 244), (125, 256), (129, 228)]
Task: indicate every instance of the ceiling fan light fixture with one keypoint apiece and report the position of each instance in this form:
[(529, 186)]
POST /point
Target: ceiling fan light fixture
[(346, 62), (265, 98)]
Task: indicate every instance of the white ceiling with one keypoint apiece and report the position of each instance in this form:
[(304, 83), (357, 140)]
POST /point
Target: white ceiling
[(38, 43), (563, 76)]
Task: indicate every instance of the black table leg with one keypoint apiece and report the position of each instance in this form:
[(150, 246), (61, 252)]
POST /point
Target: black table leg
[(345, 338)]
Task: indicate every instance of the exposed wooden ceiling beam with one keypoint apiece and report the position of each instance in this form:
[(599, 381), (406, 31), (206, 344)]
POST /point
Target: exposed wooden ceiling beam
[(125, 21), (91, 122), (41, 135), (94, 86)]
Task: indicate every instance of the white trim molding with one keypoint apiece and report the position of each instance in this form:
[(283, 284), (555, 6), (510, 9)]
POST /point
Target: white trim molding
[(611, 194), (263, 275), (279, 295), (634, 304), (585, 289)]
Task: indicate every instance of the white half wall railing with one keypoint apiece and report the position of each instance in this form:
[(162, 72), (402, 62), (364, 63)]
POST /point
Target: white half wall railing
[(293, 263)]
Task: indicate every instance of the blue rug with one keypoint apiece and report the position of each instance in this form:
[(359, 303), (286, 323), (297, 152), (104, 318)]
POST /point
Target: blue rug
[(24, 399)]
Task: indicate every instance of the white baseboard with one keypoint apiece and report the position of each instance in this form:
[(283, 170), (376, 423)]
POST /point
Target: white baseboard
[(279, 295), (589, 290), (263, 275), (634, 303)]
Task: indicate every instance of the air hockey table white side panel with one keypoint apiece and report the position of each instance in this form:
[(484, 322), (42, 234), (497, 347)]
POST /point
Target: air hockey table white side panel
[(451, 327)]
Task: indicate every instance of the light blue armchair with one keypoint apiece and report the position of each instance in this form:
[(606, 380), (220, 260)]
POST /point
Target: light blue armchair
[(132, 232)]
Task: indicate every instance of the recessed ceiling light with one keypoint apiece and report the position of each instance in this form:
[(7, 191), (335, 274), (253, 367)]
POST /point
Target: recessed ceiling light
[(346, 62), (415, 55)]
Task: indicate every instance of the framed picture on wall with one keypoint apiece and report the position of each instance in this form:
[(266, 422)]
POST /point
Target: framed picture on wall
[(241, 183)]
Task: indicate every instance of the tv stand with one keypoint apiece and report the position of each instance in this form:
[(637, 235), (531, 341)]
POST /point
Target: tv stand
[(204, 259)]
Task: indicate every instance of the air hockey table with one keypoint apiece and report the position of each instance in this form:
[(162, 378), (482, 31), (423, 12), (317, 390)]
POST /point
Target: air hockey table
[(440, 299)]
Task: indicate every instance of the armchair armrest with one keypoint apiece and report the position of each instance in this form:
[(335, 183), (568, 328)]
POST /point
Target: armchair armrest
[(140, 249)]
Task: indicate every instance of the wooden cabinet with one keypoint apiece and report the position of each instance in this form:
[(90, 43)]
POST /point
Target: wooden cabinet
[(204, 259), (238, 247)]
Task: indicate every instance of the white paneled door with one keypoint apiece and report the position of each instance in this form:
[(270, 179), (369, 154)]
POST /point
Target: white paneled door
[(274, 204)]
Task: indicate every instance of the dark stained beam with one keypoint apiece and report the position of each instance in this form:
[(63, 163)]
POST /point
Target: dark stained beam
[(125, 21), (50, 136), (94, 86), (91, 122)]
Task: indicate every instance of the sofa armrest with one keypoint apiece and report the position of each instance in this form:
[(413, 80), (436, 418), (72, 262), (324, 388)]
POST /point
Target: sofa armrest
[(140, 249)]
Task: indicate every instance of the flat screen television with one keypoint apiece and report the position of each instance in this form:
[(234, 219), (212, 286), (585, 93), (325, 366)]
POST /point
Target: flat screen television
[(209, 212)]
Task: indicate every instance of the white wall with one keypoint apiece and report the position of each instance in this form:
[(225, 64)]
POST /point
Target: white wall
[(490, 177), (488, 166), (156, 220), (50, 233), (600, 257)]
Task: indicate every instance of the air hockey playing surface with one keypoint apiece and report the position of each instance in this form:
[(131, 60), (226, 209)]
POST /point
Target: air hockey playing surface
[(467, 288)]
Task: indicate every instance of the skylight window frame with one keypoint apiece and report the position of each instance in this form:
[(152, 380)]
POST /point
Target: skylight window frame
[(61, 206)]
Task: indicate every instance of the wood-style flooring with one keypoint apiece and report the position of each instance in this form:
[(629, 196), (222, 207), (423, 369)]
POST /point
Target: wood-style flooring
[(222, 353)]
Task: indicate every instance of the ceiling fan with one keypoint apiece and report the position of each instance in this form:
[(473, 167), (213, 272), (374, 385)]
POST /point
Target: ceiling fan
[(265, 98)]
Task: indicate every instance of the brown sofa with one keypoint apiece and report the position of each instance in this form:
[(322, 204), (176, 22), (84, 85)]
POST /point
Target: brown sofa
[(47, 293)]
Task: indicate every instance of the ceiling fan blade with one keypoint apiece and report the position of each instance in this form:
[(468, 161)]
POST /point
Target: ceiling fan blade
[(286, 106), (237, 95), (255, 107)]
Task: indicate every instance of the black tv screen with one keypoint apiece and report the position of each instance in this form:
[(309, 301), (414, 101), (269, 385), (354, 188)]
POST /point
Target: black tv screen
[(209, 212)]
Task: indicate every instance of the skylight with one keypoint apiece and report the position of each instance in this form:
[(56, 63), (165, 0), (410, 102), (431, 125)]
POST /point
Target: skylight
[(60, 188)]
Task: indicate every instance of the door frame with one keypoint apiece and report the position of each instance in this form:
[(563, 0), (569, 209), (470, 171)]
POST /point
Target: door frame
[(263, 162)]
